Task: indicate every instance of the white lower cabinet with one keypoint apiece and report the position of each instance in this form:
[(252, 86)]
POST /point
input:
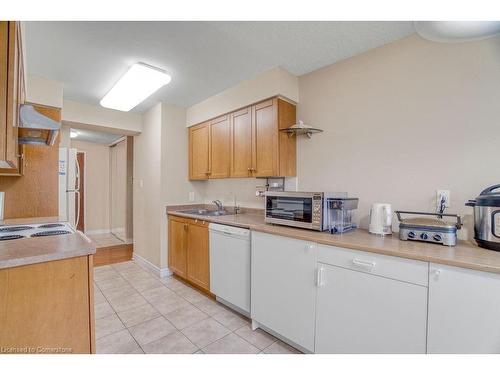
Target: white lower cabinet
[(361, 313), (283, 293), (464, 311)]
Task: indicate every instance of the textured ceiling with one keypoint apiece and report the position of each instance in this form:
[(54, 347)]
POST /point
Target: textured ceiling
[(203, 58)]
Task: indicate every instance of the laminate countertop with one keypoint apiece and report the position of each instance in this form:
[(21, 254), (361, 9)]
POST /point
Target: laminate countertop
[(25, 251), (465, 254)]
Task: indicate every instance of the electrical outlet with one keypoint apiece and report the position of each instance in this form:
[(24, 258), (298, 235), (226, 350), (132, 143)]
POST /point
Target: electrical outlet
[(191, 196), (440, 194)]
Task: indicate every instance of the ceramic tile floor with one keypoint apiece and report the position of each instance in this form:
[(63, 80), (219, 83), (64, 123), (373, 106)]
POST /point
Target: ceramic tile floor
[(138, 312)]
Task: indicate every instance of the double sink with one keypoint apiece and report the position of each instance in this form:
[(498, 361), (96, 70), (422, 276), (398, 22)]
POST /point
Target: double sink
[(206, 212)]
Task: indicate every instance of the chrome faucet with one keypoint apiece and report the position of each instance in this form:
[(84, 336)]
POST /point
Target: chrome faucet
[(219, 205)]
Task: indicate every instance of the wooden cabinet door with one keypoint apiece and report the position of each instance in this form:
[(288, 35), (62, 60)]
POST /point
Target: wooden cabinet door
[(464, 306), (4, 58), (241, 143), (265, 138), (198, 266), (47, 305), (358, 313), (283, 289), (177, 235), (12, 152), (219, 148), (199, 152)]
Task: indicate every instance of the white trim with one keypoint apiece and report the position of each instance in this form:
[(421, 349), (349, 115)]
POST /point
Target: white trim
[(97, 231), (84, 186), (161, 272)]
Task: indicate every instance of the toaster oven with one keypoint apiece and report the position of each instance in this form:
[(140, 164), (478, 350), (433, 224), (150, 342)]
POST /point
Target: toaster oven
[(296, 209)]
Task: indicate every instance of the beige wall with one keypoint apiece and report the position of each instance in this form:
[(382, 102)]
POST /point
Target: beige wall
[(96, 185), (97, 117), (274, 82), (44, 91), (147, 187), (404, 120)]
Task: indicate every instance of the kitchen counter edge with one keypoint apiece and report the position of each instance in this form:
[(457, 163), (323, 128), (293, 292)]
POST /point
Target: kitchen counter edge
[(464, 255)]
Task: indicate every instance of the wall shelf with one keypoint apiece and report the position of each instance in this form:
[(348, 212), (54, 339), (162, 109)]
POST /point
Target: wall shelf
[(301, 129)]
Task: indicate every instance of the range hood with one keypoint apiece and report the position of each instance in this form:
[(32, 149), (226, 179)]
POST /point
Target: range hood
[(35, 128)]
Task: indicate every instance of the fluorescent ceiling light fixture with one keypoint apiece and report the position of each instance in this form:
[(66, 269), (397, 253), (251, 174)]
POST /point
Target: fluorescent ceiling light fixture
[(135, 86), (73, 134), (457, 31)]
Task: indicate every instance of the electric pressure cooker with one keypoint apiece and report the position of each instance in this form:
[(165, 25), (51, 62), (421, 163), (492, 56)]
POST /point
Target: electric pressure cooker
[(487, 218)]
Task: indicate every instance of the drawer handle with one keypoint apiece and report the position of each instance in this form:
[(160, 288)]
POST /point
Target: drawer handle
[(319, 277), (360, 263)]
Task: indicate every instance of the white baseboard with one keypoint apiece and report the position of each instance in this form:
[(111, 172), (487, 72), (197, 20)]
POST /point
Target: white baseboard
[(161, 272), (98, 231)]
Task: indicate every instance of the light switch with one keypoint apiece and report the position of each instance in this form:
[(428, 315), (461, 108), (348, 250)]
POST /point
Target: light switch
[(191, 196)]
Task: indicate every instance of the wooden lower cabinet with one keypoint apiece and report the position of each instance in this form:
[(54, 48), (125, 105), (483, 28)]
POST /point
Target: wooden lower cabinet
[(177, 238), (188, 252), (48, 307)]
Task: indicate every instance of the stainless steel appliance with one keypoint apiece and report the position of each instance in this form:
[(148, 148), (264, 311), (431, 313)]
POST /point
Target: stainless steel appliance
[(434, 230), (487, 218), (297, 209), (339, 213), (16, 232), (230, 266), (35, 128)]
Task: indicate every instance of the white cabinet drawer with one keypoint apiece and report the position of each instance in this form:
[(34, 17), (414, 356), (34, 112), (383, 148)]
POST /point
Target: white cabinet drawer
[(409, 270)]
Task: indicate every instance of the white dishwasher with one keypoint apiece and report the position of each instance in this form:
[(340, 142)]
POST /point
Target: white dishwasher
[(230, 266)]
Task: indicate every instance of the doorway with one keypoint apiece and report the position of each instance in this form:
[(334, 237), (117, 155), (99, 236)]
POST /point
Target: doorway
[(120, 172)]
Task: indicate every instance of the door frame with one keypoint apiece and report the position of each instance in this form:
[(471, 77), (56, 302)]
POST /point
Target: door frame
[(84, 195)]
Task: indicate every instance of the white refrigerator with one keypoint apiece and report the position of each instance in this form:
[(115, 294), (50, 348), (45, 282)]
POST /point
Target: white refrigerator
[(69, 182)]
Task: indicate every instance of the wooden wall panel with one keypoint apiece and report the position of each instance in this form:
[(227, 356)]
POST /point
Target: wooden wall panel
[(35, 194)]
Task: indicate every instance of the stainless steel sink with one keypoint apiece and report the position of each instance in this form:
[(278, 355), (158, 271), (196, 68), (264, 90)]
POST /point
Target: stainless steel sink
[(205, 212)]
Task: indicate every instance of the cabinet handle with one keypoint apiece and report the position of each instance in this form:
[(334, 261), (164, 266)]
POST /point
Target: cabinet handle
[(360, 263), (436, 273), (185, 226), (319, 277)]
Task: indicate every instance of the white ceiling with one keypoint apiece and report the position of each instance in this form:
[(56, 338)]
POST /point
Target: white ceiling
[(203, 58)]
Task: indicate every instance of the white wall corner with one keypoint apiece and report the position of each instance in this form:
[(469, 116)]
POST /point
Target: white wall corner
[(161, 272)]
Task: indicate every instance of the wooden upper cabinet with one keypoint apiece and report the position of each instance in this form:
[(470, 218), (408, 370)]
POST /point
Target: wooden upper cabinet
[(11, 95), (265, 139), (241, 143), (245, 143), (287, 145), (219, 158), (199, 152), (4, 73)]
